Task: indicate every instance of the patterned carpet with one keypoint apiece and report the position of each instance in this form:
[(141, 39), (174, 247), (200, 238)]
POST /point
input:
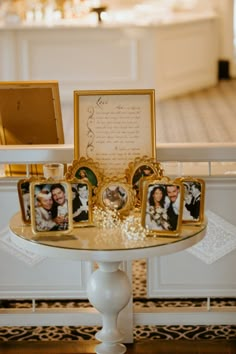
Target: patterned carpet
[(69, 333)]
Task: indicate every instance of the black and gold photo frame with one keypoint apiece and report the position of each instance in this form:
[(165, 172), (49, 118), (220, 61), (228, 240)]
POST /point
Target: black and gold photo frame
[(51, 207)]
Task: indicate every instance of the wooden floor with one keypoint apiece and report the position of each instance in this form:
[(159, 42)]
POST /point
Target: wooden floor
[(145, 347)]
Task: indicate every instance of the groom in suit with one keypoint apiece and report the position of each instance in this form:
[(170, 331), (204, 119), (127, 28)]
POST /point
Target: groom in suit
[(194, 206), (80, 204), (173, 205)]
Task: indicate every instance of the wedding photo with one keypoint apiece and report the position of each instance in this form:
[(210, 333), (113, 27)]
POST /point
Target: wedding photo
[(81, 203), (162, 209), (51, 207), (193, 201)]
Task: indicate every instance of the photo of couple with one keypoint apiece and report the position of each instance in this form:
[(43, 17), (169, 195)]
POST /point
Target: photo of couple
[(51, 207), (192, 200), (163, 207)]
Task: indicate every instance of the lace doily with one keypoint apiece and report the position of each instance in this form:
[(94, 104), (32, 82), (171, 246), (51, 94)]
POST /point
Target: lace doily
[(8, 245), (218, 242)]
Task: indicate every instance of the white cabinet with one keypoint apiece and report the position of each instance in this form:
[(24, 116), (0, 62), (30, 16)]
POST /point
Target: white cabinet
[(186, 57), (85, 58), (172, 57)]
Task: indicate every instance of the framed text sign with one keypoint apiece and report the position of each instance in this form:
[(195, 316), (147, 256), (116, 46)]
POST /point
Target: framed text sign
[(114, 127)]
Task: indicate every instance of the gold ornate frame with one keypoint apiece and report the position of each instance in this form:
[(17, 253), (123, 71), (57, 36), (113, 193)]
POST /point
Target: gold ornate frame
[(115, 194), (160, 221), (44, 186), (193, 206), (92, 172), (113, 127), (135, 173), (88, 221)]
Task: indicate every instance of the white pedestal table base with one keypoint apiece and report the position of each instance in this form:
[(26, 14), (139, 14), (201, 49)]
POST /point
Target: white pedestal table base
[(109, 291)]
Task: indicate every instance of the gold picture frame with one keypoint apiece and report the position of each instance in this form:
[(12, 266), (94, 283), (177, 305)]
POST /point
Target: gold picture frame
[(26, 108), (115, 194), (162, 207), (114, 126), (81, 203), (139, 169), (51, 207), (86, 170), (23, 188), (193, 200)]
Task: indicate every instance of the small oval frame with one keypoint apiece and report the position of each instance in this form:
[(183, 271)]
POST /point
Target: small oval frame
[(115, 194), (90, 169), (135, 173)]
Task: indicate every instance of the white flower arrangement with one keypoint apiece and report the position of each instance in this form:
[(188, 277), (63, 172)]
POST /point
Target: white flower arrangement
[(159, 215)]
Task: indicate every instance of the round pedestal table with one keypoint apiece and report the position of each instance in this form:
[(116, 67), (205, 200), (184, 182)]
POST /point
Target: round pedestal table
[(109, 289)]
